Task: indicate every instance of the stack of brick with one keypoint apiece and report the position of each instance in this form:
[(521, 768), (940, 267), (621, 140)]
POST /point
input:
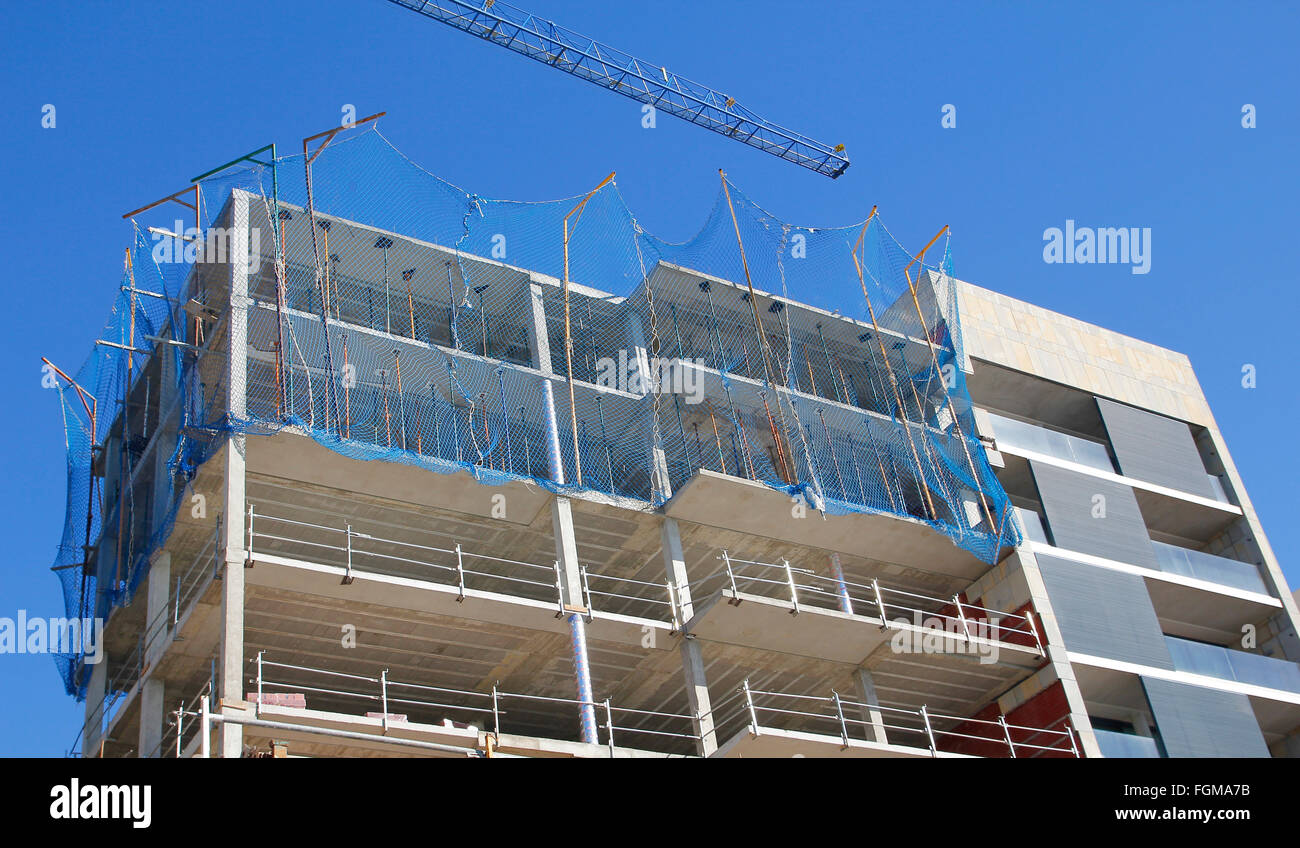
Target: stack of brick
[(280, 699)]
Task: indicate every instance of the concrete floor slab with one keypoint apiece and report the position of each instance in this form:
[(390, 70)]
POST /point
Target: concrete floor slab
[(733, 503), (776, 743), (772, 625), (276, 572)]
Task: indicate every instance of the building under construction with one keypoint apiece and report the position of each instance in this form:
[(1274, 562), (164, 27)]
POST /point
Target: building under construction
[(367, 465)]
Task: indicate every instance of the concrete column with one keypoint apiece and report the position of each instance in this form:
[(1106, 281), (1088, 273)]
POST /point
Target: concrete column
[(1054, 644), (675, 564), (233, 551), (165, 440), (697, 695), (157, 606), (237, 361), (663, 484), (638, 356), (571, 597), (645, 372), (1141, 724), (153, 716), (539, 340), (566, 552), (871, 712), (157, 620), (92, 730), (232, 599), (107, 564), (697, 684)]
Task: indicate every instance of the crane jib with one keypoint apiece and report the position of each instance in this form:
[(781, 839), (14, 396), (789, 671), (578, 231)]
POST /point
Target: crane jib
[(513, 28)]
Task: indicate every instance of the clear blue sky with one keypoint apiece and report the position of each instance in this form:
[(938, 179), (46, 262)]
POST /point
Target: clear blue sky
[(1111, 114)]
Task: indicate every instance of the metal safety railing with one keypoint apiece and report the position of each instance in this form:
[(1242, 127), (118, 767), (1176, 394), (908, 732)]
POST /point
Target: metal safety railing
[(184, 589), (181, 728), (488, 710), (803, 587), (466, 570), (851, 720)]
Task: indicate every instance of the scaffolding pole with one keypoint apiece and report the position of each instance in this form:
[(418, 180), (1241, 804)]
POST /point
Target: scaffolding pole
[(934, 358)]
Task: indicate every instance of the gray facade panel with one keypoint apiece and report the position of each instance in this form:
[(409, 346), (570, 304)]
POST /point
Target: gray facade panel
[(1154, 448), (1077, 523), (1199, 722), (1104, 613)]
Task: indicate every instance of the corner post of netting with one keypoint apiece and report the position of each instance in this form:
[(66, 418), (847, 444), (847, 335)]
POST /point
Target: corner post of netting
[(934, 358), (900, 408)]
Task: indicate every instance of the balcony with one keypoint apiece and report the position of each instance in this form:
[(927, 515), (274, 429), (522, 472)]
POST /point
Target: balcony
[(762, 723), (1013, 435), (1166, 510), (795, 610), (376, 711), (1239, 666), (413, 568), (1213, 569)]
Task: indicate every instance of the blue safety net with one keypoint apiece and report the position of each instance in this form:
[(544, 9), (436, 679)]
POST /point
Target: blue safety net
[(393, 316)]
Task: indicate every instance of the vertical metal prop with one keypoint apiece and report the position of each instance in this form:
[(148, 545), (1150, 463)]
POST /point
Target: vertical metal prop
[(841, 590), (587, 708), (552, 434)]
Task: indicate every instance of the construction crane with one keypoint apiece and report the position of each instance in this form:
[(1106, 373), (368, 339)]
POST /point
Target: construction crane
[(617, 71)]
